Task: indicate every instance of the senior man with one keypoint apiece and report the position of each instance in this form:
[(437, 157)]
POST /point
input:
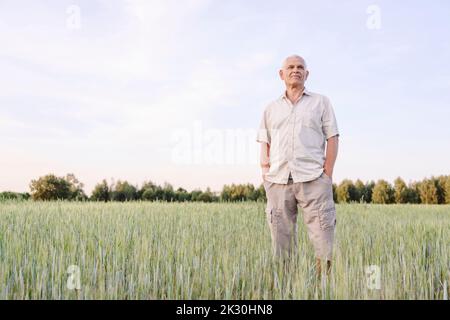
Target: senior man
[(299, 144)]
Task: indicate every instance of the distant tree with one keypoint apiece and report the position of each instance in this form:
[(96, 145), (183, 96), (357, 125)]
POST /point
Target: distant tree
[(101, 192), (76, 188), (207, 196), (50, 187), (195, 195), (346, 191), (9, 195), (368, 191), (182, 195), (159, 194), (243, 192), (149, 195), (383, 192), (250, 192), (225, 195), (334, 187), (428, 192), (360, 190), (124, 191), (261, 193), (447, 189), (150, 191), (413, 192), (401, 192), (240, 193), (440, 188), (168, 192), (237, 192)]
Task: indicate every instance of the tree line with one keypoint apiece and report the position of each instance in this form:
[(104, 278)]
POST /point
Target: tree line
[(434, 190)]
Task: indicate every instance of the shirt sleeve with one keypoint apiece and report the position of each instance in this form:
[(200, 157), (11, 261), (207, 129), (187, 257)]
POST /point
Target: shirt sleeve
[(329, 124), (263, 131)]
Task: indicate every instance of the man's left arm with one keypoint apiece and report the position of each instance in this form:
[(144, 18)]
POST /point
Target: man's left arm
[(331, 155), (331, 133)]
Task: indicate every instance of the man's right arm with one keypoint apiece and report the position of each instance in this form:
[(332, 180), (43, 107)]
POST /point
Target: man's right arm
[(265, 159), (263, 137)]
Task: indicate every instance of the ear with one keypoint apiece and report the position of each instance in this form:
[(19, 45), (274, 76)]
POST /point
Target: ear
[(307, 74), (281, 74)]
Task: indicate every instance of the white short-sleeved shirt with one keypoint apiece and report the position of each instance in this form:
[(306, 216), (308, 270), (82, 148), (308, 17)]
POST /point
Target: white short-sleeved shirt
[(297, 135)]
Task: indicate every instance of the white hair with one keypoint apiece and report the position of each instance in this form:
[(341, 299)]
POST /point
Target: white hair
[(293, 56)]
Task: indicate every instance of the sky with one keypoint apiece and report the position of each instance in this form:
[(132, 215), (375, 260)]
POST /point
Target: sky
[(173, 91)]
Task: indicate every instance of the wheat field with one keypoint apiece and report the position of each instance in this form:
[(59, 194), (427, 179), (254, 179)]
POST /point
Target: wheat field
[(152, 250)]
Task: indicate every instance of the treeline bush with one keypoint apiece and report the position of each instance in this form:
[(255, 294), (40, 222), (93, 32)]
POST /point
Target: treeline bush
[(8, 195), (434, 190)]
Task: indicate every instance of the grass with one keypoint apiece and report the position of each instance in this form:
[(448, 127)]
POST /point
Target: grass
[(148, 250)]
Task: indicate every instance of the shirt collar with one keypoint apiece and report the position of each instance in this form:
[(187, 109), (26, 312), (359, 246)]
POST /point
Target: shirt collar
[(305, 92)]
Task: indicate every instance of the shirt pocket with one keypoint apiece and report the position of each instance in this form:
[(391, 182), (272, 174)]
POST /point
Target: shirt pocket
[(310, 120), (310, 131)]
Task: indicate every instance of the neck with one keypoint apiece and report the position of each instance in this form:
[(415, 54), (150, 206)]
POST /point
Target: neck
[(294, 92)]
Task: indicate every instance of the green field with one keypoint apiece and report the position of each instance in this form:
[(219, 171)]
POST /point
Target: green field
[(147, 250)]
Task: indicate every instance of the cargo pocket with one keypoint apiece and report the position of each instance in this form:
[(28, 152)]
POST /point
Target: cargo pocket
[(327, 218), (274, 216)]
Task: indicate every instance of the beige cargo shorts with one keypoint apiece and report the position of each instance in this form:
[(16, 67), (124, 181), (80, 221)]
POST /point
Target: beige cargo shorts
[(319, 215)]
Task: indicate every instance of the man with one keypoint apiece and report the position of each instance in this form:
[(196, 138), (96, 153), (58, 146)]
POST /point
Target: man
[(299, 144)]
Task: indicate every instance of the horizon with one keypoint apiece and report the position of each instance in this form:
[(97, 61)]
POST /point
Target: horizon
[(174, 92), (139, 185)]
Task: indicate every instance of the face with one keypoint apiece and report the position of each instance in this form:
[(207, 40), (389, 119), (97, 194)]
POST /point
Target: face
[(294, 72)]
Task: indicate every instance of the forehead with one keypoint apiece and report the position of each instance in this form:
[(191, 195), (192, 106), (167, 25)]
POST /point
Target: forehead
[(294, 61)]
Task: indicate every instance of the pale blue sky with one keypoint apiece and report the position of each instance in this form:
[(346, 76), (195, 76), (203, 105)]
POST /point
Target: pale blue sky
[(103, 100)]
